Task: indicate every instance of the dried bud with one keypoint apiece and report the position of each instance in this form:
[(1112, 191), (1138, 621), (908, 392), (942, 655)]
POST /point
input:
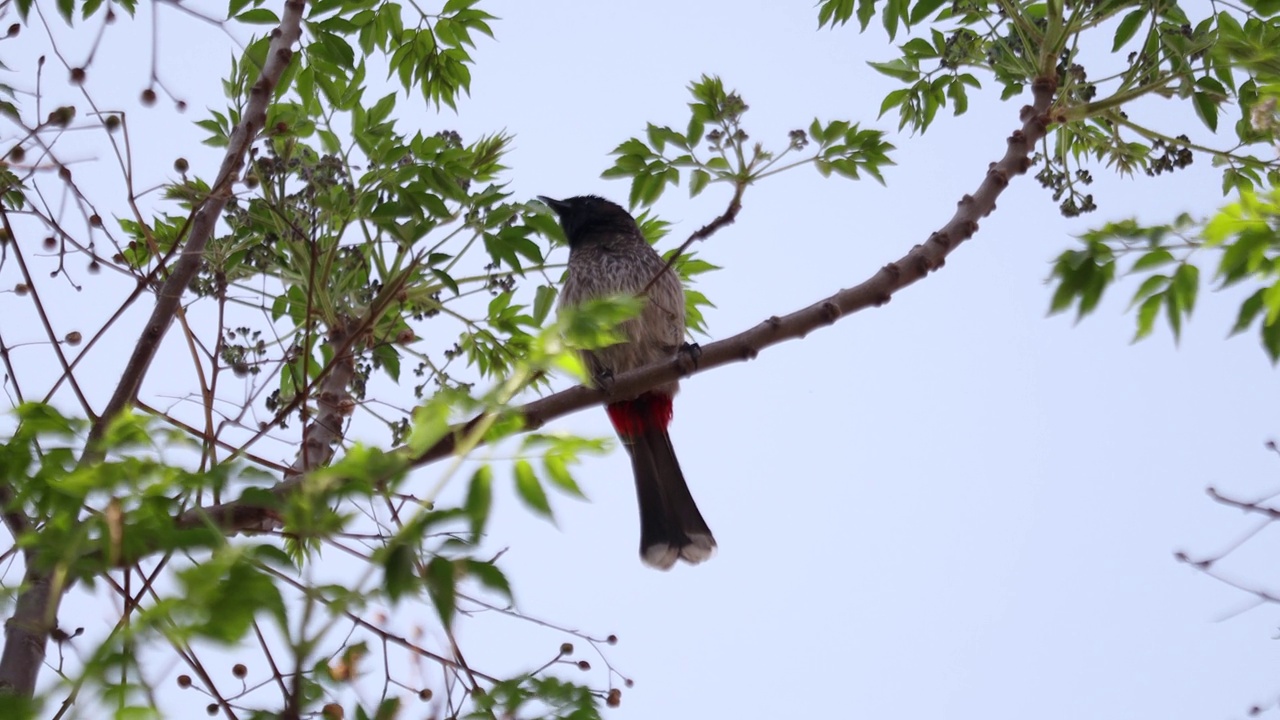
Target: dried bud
[(61, 117)]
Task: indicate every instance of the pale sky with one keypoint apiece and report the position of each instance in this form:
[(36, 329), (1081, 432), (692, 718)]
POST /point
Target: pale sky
[(949, 506)]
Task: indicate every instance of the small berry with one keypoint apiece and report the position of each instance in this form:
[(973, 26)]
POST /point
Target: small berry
[(184, 681), (425, 694), (72, 338), (614, 699), (148, 97), (77, 76), (181, 165), (62, 116), (95, 220), (566, 649), (239, 670)]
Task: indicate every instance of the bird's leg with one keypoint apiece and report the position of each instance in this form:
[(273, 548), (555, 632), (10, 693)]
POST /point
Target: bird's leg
[(693, 352), (602, 378)]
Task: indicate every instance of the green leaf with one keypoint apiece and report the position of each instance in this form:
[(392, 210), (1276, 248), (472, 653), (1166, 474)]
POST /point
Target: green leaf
[(1186, 284), (1153, 259), (1271, 301), (399, 576), (893, 99), (1147, 316), (442, 587), (530, 489), (544, 299), (1150, 286), (479, 500), (489, 576), (1128, 26), (698, 180), (558, 472), (259, 16), (1173, 310), (897, 68), (1271, 341), (1249, 311), (923, 9), (1206, 109)]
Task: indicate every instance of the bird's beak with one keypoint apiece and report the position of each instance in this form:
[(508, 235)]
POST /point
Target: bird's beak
[(559, 206)]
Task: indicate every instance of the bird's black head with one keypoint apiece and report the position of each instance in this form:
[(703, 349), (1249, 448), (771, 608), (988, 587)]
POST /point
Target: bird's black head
[(588, 218)]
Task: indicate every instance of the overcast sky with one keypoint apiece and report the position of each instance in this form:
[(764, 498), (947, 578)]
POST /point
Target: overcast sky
[(950, 506)]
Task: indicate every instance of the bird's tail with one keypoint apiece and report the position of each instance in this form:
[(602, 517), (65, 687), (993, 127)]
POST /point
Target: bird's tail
[(671, 527)]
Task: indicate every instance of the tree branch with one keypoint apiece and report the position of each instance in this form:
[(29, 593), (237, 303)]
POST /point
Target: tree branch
[(35, 614), (206, 218), (873, 292)]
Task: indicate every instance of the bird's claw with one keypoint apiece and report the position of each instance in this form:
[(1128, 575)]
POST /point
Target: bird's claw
[(604, 381), (693, 351)]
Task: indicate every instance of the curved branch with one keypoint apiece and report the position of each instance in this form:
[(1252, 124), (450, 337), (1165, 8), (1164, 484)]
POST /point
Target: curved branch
[(279, 54), (36, 609), (875, 291)]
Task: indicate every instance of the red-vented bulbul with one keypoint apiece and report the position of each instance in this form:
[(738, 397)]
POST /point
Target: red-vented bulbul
[(609, 256)]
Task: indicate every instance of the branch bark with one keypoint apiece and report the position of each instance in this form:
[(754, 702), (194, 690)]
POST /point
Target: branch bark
[(35, 614), (873, 292)]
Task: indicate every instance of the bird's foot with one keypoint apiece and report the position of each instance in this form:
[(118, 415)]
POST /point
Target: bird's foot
[(693, 352), (604, 381)]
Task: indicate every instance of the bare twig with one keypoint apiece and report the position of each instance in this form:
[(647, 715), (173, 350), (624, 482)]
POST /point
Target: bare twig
[(726, 218), (35, 615)]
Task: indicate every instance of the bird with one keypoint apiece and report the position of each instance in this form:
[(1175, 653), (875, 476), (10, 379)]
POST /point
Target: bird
[(609, 256)]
